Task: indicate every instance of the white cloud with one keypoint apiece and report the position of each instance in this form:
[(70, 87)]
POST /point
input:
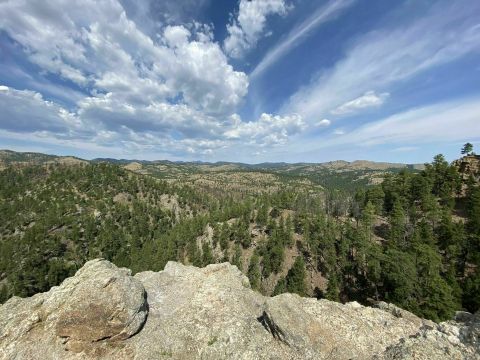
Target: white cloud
[(367, 100), (95, 44), (323, 123), (268, 130), (381, 58), (108, 121), (27, 111), (323, 14), (168, 93), (173, 93), (245, 31), (449, 121), (176, 36)]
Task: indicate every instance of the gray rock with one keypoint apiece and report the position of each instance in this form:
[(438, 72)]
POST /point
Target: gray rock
[(116, 307), (188, 313), (322, 328), (443, 342), (100, 304)]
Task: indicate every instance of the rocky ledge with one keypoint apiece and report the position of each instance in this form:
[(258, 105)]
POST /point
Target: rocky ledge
[(188, 313)]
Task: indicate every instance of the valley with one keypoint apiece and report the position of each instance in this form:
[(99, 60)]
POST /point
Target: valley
[(289, 227)]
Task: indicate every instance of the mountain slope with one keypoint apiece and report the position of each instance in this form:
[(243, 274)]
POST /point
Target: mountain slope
[(239, 178), (411, 240), (55, 217)]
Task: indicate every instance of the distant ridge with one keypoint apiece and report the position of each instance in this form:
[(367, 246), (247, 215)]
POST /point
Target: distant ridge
[(9, 157)]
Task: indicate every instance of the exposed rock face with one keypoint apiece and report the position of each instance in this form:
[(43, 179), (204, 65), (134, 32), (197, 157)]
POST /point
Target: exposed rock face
[(468, 166), (100, 304), (103, 302), (188, 313), (459, 339)]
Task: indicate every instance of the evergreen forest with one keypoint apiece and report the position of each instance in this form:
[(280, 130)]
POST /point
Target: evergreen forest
[(412, 239)]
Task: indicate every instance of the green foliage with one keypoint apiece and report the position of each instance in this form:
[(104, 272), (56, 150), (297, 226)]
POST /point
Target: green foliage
[(396, 234), (280, 287), (368, 217), (467, 149), (237, 257), (473, 224), (57, 217), (296, 277), (3, 293), (254, 274), (262, 215), (375, 196), (471, 292), (402, 243), (274, 253), (207, 256), (333, 291)]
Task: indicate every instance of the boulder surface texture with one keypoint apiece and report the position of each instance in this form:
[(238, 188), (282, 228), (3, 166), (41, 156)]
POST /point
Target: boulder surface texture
[(185, 312)]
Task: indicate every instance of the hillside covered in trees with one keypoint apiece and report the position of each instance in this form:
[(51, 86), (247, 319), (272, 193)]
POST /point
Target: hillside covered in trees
[(413, 239)]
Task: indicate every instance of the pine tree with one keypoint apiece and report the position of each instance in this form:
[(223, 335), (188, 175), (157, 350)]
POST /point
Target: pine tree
[(471, 292), (280, 287), (262, 215), (224, 236), (436, 299), (473, 224), (375, 196), (207, 256), (289, 231), (333, 292), (368, 218), (3, 294), (399, 279), (467, 149), (296, 277), (397, 226), (254, 274), (237, 257)]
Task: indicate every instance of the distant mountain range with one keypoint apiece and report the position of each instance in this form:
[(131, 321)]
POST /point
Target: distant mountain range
[(12, 157)]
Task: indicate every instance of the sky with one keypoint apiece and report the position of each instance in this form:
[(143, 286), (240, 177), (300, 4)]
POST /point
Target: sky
[(240, 80)]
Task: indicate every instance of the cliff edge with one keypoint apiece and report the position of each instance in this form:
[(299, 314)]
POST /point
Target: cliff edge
[(185, 312)]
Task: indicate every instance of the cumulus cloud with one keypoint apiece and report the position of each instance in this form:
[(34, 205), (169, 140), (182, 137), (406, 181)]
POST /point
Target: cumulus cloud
[(106, 120), (174, 93), (27, 111), (245, 30), (95, 45), (268, 130), (448, 31), (323, 123), (367, 100)]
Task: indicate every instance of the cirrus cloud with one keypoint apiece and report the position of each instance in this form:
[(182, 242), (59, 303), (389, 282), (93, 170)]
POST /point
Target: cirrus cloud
[(382, 58)]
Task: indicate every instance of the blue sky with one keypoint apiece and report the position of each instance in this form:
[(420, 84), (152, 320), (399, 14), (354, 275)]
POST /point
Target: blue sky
[(241, 80)]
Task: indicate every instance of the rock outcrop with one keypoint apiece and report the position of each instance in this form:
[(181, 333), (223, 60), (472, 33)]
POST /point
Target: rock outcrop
[(188, 313), (468, 167)]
